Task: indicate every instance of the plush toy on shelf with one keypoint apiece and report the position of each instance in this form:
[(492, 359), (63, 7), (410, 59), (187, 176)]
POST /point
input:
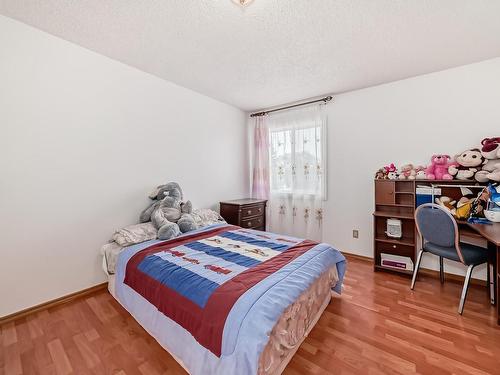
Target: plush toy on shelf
[(460, 209), (447, 203), (387, 172), (463, 209), (491, 168), (420, 173), (392, 171), (407, 172), (381, 174), (467, 163), (438, 169)]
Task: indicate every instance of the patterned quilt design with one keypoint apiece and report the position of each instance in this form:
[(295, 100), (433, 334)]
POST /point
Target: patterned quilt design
[(195, 280)]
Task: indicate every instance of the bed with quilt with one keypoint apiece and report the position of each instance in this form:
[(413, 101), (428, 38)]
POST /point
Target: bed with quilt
[(227, 300)]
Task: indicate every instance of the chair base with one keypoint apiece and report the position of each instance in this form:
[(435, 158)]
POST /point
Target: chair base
[(415, 271), (441, 270), (465, 288)]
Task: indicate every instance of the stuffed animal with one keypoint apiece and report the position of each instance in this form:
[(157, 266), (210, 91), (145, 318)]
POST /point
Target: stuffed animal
[(438, 169), (381, 174), (460, 209), (463, 209), (168, 213), (480, 204), (393, 175), (407, 172), (420, 173), (466, 164), (391, 171), (447, 203), (491, 168)]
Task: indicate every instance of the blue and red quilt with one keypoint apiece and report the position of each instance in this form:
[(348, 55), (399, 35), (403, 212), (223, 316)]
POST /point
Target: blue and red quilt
[(196, 279)]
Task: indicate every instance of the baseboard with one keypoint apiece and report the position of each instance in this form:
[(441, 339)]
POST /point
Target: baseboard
[(52, 303), (424, 271), (357, 256)]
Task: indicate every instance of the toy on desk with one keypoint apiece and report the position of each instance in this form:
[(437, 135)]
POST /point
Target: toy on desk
[(467, 163), (407, 172), (494, 193), (492, 211), (491, 168), (446, 202), (380, 174), (387, 172), (479, 220), (391, 171), (420, 173), (460, 209), (464, 206), (438, 169), (480, 203)]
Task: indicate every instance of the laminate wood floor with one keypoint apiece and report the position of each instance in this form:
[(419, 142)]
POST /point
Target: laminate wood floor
[(378, 326)]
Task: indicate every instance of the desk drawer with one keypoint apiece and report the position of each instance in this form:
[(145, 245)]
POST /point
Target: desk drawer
[(249, 211), (396, 249), (253, 222)]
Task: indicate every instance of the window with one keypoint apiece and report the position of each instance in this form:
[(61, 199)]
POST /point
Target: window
[(297, 158)]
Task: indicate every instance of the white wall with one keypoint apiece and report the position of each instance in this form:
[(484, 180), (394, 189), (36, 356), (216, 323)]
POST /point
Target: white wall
[(82, 141), (401, 122)]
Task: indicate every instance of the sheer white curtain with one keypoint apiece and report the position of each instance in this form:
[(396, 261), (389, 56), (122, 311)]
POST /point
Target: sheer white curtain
[(297, 157)]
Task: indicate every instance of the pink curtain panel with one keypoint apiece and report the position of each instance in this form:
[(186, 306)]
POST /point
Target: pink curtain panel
[(260, 184)]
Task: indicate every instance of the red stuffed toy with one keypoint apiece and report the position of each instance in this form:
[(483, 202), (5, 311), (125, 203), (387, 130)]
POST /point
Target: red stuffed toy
[(438, 170)]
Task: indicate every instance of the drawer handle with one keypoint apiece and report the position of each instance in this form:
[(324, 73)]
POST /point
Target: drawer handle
[(260, 209), (249, 223), (249, 212), (394, 246)]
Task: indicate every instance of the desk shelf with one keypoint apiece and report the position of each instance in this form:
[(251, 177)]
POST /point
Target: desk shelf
[(396, 215), (395, 241), (394, 199)]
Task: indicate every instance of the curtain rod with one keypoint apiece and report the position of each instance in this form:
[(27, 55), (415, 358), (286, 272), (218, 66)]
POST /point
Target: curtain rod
[(263, 113)]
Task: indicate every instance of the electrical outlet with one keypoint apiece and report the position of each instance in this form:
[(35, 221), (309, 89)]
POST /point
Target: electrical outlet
[(355, 233)]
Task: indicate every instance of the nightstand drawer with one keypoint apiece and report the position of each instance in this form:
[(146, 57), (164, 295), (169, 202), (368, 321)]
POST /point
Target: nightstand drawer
[(252, 222), (246, 213), (249, 211)]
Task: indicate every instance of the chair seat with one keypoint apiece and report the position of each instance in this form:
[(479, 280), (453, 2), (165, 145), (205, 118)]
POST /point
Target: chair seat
[(473, 255)]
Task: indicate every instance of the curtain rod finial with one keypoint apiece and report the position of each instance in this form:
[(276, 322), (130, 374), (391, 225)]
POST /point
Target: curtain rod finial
[(258, 114)]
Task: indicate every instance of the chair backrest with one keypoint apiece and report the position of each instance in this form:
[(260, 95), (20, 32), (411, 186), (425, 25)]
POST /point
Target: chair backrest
[(436, 225)]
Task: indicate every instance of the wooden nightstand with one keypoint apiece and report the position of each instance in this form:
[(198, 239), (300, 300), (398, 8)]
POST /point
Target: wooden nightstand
[(246, 213)]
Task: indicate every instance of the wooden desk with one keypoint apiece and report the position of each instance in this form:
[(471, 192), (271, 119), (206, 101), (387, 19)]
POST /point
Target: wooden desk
[(491, 233)]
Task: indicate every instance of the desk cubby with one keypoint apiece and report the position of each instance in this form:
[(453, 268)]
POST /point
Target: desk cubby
[(394, 199)]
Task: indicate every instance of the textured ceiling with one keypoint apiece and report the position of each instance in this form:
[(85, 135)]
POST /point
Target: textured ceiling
[(274, 51)]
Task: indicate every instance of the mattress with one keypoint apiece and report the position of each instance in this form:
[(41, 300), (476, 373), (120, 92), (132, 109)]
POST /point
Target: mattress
[(266, 324)]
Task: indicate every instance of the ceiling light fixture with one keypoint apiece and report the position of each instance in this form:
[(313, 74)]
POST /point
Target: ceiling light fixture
[(242, 2)]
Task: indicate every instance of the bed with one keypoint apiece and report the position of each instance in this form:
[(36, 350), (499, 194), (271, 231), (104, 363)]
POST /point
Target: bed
[(228, 300)]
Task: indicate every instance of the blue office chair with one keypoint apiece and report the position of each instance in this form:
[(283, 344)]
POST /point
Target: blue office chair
[(439, 236)]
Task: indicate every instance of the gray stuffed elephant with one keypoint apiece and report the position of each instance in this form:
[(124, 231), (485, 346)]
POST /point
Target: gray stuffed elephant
[(168, 213)]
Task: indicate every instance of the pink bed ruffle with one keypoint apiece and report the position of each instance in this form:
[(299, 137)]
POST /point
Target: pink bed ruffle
[(296, 321)]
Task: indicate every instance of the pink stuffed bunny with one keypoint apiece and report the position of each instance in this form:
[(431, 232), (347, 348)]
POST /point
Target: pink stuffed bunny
[(438, 170)]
